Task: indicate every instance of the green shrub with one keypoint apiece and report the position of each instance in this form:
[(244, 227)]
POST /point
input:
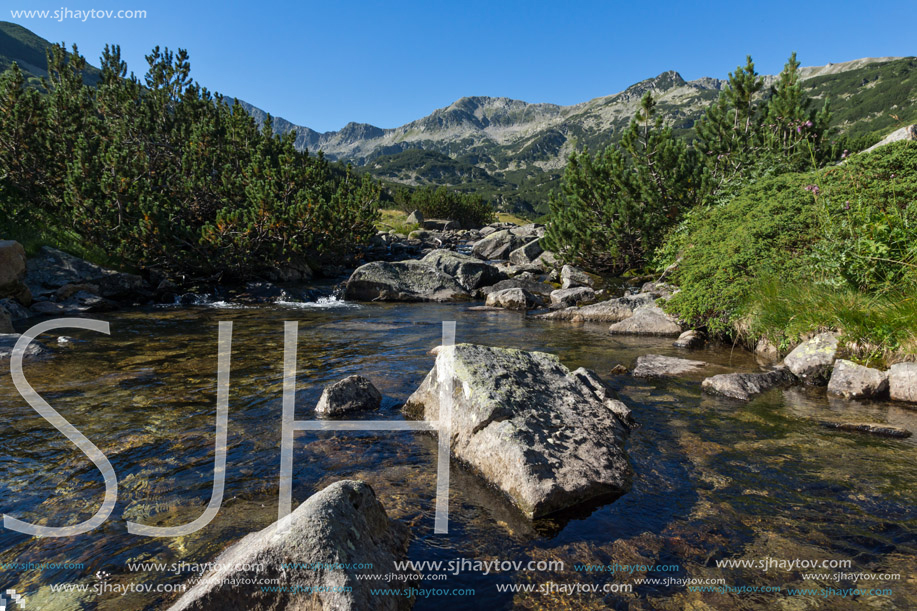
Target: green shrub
[(468, 209)]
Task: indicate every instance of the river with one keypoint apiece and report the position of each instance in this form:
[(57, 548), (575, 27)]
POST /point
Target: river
[(714, 479)]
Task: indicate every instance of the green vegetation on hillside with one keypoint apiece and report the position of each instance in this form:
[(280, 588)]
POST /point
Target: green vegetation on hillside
[(161, 174)]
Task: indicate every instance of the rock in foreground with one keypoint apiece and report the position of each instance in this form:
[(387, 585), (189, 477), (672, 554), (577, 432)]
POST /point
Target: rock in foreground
[(402, 281), (744, 386), (549, 438), (352, 394), (339, 526)]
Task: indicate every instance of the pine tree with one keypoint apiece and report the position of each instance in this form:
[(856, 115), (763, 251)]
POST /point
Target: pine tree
[(729, 134), (616, 207)]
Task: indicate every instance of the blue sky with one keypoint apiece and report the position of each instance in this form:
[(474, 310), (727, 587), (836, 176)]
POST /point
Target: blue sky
[(323, 64)]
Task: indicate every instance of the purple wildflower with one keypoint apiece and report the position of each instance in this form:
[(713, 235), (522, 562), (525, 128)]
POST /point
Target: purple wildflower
[(812, 189)]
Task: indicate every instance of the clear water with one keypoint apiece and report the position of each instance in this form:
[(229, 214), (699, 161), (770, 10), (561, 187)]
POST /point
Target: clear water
[(714, 479)]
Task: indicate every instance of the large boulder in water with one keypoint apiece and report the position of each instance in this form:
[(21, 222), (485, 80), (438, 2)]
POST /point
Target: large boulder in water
[(470, 272), (402, 281), (549, 438), (513, 299), (333, 530), (540, 289)]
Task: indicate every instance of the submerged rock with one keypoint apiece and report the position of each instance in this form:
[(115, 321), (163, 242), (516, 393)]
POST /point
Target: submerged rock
[(352, 394), (549, 438), (853, 381), (647, 320), (902, 382), (655, 365), (471, 273), (8, 342), (332, 530), (813, 360), (744, 386), (402, 281), (883, 430), (690, 340)]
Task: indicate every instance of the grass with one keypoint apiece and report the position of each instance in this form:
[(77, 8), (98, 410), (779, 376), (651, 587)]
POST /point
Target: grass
[(34, 235), (877, 329), (395, 219), (507, 217)]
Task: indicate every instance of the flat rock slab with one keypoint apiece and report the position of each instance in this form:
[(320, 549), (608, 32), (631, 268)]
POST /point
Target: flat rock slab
[(549, 438), (744, 386), (647, 320), (882, 430), (402, 281), (342, 525), (655, 365), (612, 310)]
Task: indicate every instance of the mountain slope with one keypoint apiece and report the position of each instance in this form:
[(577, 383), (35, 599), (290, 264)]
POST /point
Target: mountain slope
[(519, 149), (28, 49)]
